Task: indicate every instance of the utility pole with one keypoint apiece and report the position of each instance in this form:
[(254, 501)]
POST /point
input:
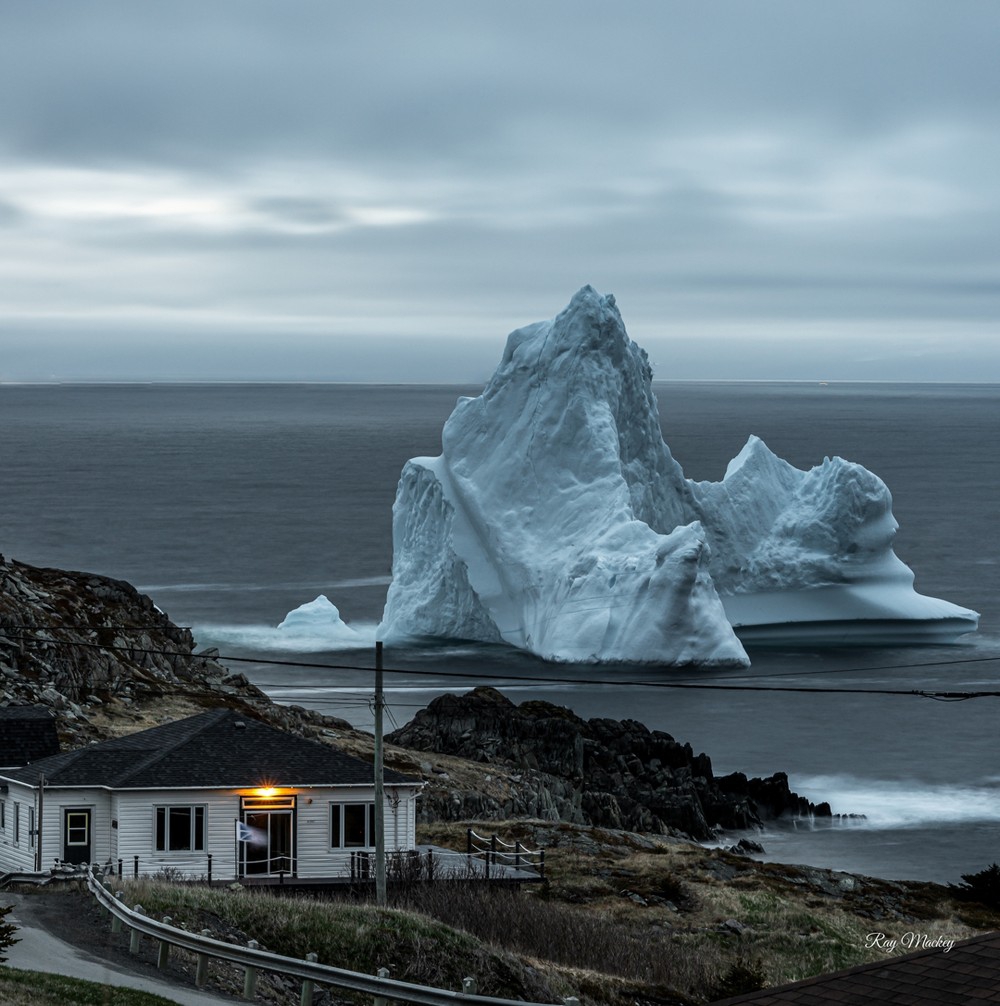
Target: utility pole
[(38, 822), (379, 788)]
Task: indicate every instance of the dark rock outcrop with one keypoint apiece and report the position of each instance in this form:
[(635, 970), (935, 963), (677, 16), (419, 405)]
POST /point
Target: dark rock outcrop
[(602, 772), (89, 647)]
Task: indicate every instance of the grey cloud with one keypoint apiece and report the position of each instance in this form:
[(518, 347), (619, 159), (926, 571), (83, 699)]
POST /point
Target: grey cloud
[(299, 210), (211, 84), (10, 214), (724, 163)]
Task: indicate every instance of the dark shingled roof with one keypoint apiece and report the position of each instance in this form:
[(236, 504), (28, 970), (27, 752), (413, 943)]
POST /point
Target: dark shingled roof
[(26, 733), (967, 973), (218, 749)]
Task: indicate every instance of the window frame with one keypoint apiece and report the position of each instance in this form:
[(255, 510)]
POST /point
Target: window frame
[(338, 824), (163, 829)]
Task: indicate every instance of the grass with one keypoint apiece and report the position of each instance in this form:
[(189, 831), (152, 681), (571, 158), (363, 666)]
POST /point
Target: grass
[(32, 988), (623, 918), (414, 947)]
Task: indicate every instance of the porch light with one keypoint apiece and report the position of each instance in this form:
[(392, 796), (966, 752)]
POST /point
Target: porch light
[(265, 791)]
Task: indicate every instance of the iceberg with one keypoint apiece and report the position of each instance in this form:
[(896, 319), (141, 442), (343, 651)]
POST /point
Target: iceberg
[(556, 520), (319, 622)]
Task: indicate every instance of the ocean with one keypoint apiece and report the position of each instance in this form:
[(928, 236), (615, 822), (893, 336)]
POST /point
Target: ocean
[(233, 504)]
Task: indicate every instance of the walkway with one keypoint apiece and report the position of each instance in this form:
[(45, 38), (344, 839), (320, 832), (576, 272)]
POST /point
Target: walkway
[(39, 950)]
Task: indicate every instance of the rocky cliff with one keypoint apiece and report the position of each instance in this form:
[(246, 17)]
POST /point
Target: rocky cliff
[(603, 772), (108, 661)]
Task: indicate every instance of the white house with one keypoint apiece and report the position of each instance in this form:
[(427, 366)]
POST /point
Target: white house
[(218, 788)]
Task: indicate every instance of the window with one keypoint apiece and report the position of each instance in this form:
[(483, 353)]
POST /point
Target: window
[(78, 828), (352, 825), (17, 822), (180, 829)]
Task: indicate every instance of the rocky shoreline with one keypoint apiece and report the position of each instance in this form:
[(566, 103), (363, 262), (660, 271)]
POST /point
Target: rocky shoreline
[(107, 661), (600, 772)]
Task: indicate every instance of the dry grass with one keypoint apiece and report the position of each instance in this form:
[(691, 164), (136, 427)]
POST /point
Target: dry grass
[(702, 914), (362, 938)]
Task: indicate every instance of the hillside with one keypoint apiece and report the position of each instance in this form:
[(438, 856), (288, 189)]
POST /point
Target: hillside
[(615, 805)]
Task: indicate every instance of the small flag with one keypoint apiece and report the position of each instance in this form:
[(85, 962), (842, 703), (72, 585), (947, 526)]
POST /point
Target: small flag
[(244, 833)]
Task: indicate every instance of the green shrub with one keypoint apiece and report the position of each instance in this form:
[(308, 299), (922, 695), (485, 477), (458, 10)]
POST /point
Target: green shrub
[(7, 930)]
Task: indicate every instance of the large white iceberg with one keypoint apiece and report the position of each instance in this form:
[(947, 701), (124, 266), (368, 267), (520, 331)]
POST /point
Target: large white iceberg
[(556, 520)]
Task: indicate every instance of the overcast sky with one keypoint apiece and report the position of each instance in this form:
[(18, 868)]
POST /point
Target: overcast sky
[(382, 191)]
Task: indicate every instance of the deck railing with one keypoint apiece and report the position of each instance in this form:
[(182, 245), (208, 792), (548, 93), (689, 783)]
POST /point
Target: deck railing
[(494, 851)]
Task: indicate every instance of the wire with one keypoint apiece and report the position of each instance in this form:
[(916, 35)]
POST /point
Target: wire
[(539, 679), (356, 667)]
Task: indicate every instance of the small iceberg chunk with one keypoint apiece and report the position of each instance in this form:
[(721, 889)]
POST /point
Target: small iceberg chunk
[(320, 620)]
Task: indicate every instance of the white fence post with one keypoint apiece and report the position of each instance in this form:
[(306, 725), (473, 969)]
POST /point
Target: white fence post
[(250, 974), (133, 946), (379, 1000), (306, 998), (201, 973), (164, 951)]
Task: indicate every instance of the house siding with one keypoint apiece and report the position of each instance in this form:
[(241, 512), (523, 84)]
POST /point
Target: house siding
[(19, 856), (97, 801), (315, 857), (137, 832)]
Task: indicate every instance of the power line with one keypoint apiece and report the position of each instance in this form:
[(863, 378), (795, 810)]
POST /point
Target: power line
[(357, 667), (943, 696)]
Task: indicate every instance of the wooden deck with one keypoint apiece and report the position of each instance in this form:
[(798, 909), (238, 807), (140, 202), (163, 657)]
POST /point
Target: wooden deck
[(430, 864)]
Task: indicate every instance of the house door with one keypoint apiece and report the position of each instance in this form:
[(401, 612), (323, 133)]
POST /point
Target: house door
[(76, 836), (271, 847)]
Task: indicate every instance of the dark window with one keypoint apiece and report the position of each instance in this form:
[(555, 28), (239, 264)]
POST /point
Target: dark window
[(180, 829), (355, 821), (352, 825)]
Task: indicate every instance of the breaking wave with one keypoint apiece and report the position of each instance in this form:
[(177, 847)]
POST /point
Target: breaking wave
[(904, 803)]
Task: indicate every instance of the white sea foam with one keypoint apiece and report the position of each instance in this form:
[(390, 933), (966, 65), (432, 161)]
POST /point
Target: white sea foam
[(271, 639), (904, 803)]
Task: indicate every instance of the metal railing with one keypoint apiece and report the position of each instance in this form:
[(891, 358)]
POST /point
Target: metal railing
[(309, 972)]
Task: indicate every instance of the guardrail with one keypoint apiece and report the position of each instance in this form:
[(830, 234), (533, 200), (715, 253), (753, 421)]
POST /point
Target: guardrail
[(309, 972)]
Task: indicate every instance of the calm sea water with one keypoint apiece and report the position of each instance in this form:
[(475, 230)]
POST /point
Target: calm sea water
[(233, 504)]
